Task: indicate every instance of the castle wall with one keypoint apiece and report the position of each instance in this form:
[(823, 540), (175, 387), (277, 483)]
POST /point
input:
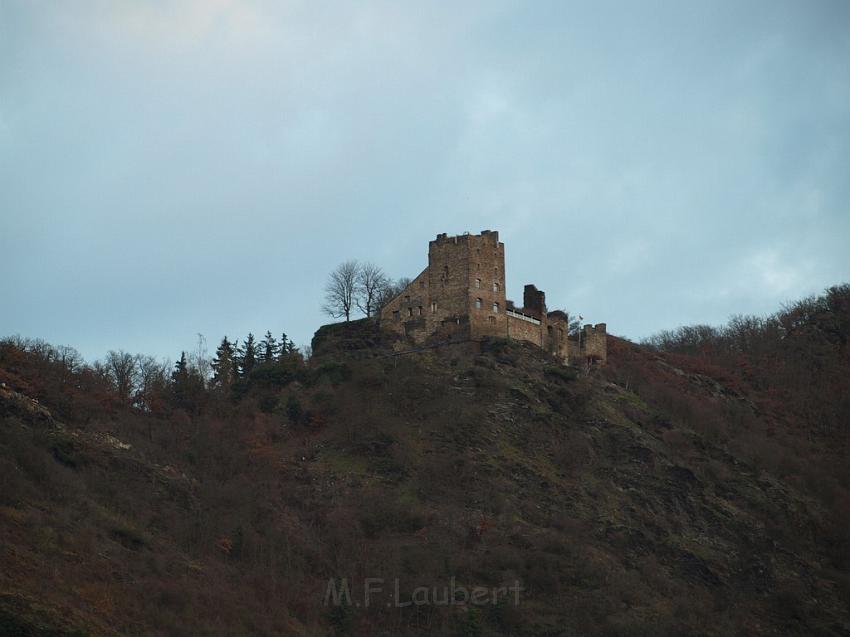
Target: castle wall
[(448, 275), (557, 334), (408, 314), (486, 291), (594, 345), (461, 294), (521, 328)]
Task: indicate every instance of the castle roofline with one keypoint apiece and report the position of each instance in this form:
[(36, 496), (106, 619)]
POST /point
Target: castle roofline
[(494, 234)]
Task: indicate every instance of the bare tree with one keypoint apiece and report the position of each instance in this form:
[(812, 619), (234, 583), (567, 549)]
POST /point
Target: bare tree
[(340, 290), (389, 291), (152, 380), (200, 359), (371, 280), (122, 369)]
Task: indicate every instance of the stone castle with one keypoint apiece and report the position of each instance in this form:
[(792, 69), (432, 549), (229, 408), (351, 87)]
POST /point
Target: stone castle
[(461, 296)]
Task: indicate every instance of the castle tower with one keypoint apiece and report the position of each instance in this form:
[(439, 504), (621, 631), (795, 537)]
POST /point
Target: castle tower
[(461, 292), (461, 295)]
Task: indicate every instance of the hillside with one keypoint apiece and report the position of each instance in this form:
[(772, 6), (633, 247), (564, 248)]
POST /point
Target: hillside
[(660, 495)]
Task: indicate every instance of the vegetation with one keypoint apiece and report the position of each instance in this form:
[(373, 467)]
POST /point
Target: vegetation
[(359, 286), (682, 489)]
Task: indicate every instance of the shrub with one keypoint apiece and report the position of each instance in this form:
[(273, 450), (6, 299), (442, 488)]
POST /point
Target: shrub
[(294, 410), (562, 373)]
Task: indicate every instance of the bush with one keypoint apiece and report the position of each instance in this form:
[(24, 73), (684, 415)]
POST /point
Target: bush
[(561, 373), (294, 410), (332, 372)]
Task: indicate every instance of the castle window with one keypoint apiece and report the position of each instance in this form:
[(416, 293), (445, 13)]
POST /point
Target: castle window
[(407, 299), (492, 319), (477, 304), (396, 315), (495, 286), (496, 308), (478, 283), (433, 306), (410, 311), (419, 311)]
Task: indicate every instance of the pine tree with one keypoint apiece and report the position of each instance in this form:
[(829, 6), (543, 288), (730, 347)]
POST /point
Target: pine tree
[(223, 364), (237, 360), (180, 380), (248, 356), (268, 348), (286, 346)]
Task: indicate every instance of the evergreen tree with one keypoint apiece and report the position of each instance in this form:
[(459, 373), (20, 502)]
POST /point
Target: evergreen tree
[(268, 348), (237, 360), (248, 356), (223, 364), (180, 380), (286, 346)]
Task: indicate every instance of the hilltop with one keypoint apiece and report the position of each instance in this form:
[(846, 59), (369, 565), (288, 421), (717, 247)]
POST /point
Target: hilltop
[(666, 493)]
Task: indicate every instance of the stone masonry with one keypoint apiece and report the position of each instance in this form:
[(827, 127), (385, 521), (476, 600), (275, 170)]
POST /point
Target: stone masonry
[(461, 296)]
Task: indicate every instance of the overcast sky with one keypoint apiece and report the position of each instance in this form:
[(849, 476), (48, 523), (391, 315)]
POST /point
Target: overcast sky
[(169, 168)]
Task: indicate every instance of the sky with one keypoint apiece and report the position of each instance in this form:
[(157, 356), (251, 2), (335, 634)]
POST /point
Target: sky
[(170, 168)]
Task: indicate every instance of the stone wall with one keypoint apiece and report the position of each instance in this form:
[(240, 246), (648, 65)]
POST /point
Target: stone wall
[(521, 328), (409, 313), (594, 345), (486, 291), (557, 334), (461, 294)]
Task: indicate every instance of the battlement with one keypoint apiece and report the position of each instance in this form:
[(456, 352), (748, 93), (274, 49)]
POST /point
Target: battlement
[(486, 236), (461, 294), (591, 329)]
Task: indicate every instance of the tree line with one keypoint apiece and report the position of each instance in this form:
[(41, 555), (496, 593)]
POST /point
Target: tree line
[(801, 354), (151, 385)]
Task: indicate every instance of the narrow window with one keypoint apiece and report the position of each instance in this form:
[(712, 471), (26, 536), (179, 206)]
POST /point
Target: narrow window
[(477, 304), (496, 286), (496, 308), (419, 311), (478, 283), (433, 306), (396, 315), (410, 311), (492, 319), (407, 299)]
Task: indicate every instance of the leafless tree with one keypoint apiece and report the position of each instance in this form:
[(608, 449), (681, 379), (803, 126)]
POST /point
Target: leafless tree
[(390, 290), (200, 359), (70, 358), (121, 367), (340, 290), (152, 379), (370, 281)]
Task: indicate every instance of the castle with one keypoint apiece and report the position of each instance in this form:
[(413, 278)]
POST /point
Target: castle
[(461, 295)]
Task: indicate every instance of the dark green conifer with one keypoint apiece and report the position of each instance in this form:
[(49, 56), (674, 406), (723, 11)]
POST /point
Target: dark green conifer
[(223, 364)]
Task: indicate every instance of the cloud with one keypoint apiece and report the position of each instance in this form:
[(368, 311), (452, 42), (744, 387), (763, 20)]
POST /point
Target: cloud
[(193, 166)]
